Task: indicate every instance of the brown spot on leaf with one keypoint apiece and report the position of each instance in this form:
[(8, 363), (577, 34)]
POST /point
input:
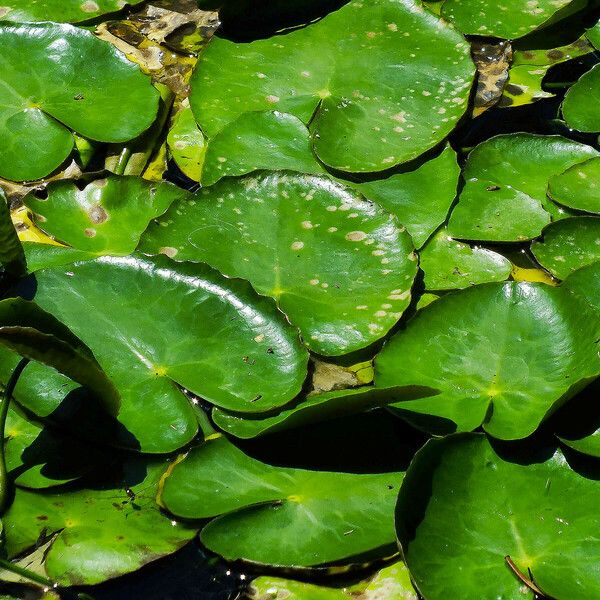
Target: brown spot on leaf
[(89, 7), (98, 214), (90, 232)]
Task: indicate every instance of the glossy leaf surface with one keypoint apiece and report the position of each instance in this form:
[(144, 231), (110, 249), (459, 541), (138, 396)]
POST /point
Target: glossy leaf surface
[(503, 355), (535, 509), (50, 84), (376, 100), (578, 187), (506, 177), (339, 267)]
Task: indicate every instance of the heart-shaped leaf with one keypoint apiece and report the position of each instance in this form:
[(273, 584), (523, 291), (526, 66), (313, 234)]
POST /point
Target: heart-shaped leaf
[(568, 245), (339, 266), (503, 355), (327, 516), (101, 533), (451, 265), (421, 198), (61, 11), (315, 408), (578, 111), (107, 216), (511, 20), (223, 342), (50, 84), (532, 509), (375, 89), (578, 186), (504, 198), (12, 257)]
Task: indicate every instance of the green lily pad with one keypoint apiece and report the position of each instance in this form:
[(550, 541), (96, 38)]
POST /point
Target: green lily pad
[(391, 582), (44, 256), (38, 458), (101, 533), (12, 257), (327, 516), (534, 509), (593, 35), (187, 144), (315, 408), (375, 89), (60, 11), (506, 177), (578, 186), (339, 266), (224, 343), (504, 355), (578, 111), (108, 216), (511, 20), (260, 140), (50, 85), (32, 333), (568, 245), (452, 265), (421, 199)]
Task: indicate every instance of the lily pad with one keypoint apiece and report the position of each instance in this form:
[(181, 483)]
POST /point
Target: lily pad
[(187, 144), (50, 85), (578, 187), (506, 177), (578, 111), (12, 257), (511, 20), (504, 355), (38, 457), (534, 509), (44, 256), (421, 199), (374, 88), (107, 216), (327, 516), (568, 245), (452, 265), (260, 140), (60, 11), (392, 582), (101, 533), (340, 267), (315, 408), (224, 343)]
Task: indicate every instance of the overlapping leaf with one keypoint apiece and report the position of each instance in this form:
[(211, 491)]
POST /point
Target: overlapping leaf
[(340, 267), (375, 90), (50, 83)]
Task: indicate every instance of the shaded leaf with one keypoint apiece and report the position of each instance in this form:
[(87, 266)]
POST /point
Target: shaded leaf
[(326, 516), (12, 257)]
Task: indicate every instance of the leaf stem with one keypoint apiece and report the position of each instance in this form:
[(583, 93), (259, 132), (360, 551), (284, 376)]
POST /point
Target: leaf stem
[(26, 573), (4, 403)]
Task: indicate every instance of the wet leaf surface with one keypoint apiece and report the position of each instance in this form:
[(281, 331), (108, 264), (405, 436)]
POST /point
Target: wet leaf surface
[(578, 186), (568, 245), (103, 533), (107, 216)]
